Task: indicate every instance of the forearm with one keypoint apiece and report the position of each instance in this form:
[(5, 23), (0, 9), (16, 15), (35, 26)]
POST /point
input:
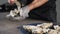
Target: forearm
[(36, 3)]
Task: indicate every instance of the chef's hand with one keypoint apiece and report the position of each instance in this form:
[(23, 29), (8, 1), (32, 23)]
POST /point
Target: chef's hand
[(24, 12)]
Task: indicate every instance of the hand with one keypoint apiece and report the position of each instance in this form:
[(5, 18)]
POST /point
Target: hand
[(24, 12)]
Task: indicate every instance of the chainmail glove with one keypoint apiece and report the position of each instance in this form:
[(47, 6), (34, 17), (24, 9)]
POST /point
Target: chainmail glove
[(24, 12)]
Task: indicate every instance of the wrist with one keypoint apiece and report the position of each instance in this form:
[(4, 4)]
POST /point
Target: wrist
[(30, 7)]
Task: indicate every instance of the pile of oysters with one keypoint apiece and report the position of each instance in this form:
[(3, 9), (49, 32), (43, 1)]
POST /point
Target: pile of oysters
[(44, 28)]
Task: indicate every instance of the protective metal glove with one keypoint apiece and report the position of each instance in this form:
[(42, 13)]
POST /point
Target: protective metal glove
[(24, 12)]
